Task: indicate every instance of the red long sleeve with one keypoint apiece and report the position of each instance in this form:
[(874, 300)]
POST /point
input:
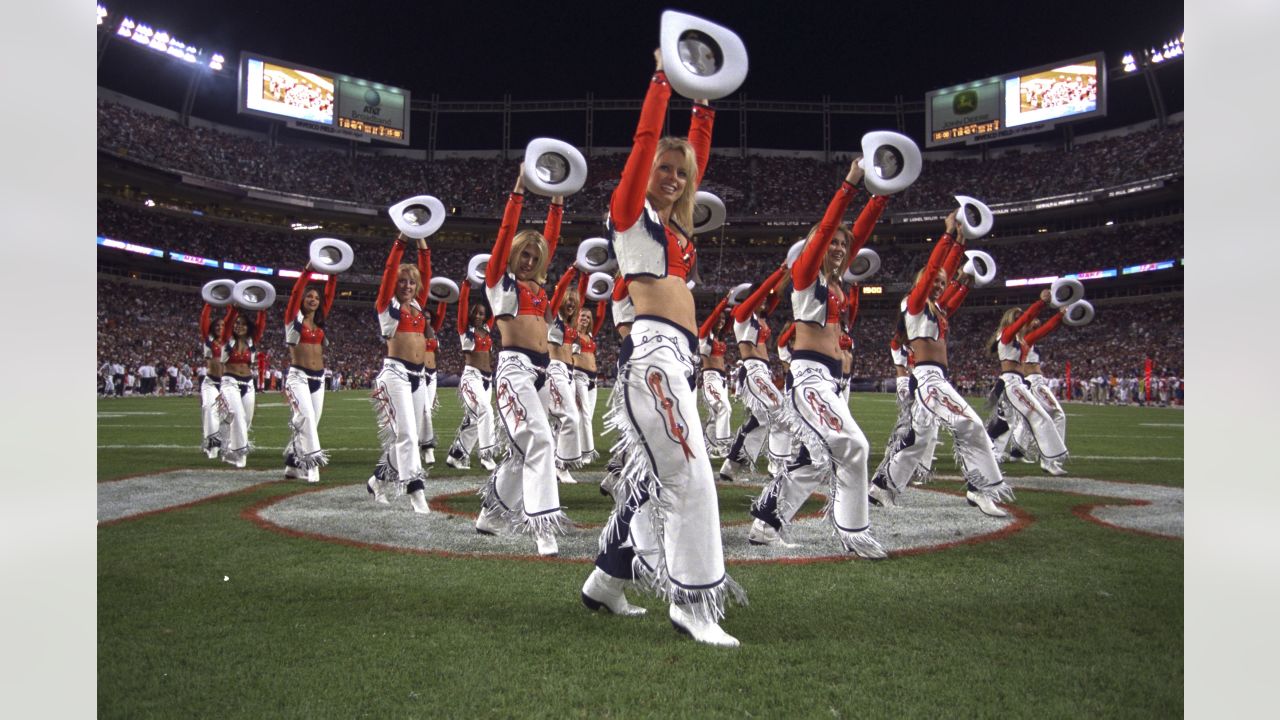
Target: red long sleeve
[(863, 226), (561, 288), (952, 298), (628, 198), (1045, 328), (954, 260), (295, 297), (501, 251), (206, 320), (920, 293), (747, 308), (227, 324), (464, 312), (595, 331), (330, 292), (438, 321), (551, 230), (710, 322), (390, 271), (1030, 314), (700, 137), (787, 333), (260, 324), (806, 267), (852, 306), (424, 269)]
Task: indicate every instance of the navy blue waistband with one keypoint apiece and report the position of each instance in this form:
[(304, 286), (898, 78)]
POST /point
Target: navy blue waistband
[(314, 374), (589, 373), (688, 336), (831, 364), (934, 364), (215, 378), (412, 367), (240, 378), (540, 359), (759, 360)]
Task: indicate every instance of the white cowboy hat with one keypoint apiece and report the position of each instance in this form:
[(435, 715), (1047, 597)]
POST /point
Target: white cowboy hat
[(1065, 291), (553, 167), (739, 293), (865, 264), (708, 212), (442, 290), (975, 218), (890, 162), (254, 294), (476, 269), (599, 286), (1079, 313), (331, 255), (981, 266), (418, 217), (701, 59), (218, 292), (594, 257)]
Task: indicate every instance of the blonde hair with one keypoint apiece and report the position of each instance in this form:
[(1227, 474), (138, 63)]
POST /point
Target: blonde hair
[(1006, 320), (523, 239), (933, 305), (833, 276), (682, 209), (570, 299), (412, 271)]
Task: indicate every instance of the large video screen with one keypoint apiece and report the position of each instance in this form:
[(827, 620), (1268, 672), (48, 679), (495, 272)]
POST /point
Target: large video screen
[(1032, 100), (322, 101)]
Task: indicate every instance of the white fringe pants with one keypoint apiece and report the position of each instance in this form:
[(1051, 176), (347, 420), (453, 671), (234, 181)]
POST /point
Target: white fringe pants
[(475, 392), (715, 393), (764, 403), (1036, 419), (426, 421), (304, 390), (399, 401), (936, 401), (665, 527), (584, 384), (559, 397), (238, 401), (210, 418), (1040, 388), (833, 449), (524, 486)]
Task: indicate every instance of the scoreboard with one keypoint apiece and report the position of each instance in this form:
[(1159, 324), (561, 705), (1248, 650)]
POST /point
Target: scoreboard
[(1032, 100), (322, 101)]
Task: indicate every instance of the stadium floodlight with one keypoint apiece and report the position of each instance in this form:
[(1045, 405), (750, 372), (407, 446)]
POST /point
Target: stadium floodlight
[(102, 14), (163, 42)]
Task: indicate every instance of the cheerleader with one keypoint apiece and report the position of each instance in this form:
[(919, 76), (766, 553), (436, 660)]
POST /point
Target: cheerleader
[(715, 392), (924, 324), (1033, 375), (559, 394), (833, 447), (399, 394), (210, 384), (756, 388), (475, 336), (431, 342), (304, 318), (1032, 421), (239, 339), (665, 527), (522, 493), (584, 375)]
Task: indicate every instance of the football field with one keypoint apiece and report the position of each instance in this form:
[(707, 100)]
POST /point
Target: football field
[(236, 593)]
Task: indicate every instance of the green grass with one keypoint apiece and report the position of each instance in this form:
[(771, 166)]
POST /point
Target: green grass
[(1064, 619)]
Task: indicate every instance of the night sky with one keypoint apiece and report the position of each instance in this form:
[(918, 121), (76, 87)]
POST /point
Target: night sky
[(851, 51)]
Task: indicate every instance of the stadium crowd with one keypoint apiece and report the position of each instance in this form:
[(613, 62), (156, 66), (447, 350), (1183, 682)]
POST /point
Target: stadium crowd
[(755, 185)]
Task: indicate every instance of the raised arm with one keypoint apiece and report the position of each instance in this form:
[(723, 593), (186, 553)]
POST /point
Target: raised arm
[(501, 251), (551, 230), (295, 296), (1045, 328), (919, 295), (228, 323), (390, 271), (330, 292), (437, 321), (464, 312), (600, 310), (561, 288), (851, 306), (628, 198), (747, 308), (424, 269), (700, 135), (863, 226), (260, 326), (710, 322), (206, 321), (787, 333), (1027, 316), (954, 260), (806, 267), (954, 295)]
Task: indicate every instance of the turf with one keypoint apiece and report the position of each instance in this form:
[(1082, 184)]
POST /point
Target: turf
[(203, 613)]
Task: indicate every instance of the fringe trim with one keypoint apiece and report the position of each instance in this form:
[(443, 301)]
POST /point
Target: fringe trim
[(800, 430), (636, 473), (223, 409), (706, 604), (855, 542), (233, 455), (590, 457), (1000, 492), (211, 442), (383, 415), (312, 460)]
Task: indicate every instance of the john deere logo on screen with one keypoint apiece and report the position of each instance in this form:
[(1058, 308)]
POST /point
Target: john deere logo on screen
[(965, 102), (371, 102)]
